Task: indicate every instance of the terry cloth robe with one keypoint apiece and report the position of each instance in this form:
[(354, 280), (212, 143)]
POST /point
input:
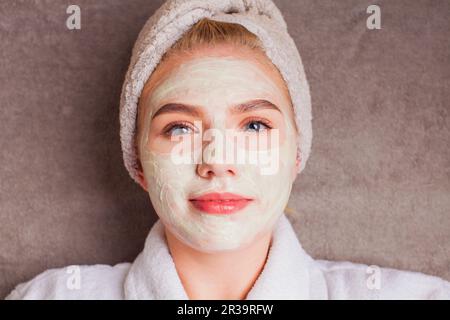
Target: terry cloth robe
[(289, 273)]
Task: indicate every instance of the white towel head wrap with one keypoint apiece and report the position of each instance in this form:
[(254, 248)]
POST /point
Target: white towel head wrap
[(173, 19)]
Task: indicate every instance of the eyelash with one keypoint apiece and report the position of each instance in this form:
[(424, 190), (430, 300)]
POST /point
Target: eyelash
[(260, 120), (167, 131)]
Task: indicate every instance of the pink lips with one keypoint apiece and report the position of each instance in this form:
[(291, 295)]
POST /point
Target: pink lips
[(220, 203)]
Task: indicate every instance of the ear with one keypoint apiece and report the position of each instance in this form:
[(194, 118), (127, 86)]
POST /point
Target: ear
[(296, 168), (141, 179)]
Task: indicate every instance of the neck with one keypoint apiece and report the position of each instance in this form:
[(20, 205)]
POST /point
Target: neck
[(218, 276)]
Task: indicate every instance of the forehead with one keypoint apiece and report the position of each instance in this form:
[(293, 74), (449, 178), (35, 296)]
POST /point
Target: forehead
[(221, 75), (215, 81)]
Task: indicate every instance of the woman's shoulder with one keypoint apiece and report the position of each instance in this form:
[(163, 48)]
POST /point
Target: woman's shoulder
[(350, 280), (99, 281)]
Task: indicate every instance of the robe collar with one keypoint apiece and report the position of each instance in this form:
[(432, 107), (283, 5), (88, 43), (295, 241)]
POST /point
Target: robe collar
[(285, 275)]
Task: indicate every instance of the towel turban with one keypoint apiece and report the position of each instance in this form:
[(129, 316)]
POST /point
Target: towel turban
[(173, 19)]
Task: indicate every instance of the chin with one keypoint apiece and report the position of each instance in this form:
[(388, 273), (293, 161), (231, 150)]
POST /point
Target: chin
[(220, 240)]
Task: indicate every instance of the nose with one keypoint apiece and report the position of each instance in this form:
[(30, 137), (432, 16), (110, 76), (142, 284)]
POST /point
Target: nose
[(215, 163), (209, 170)]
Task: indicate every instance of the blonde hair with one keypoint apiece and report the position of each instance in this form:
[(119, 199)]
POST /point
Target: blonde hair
[(207, 32)]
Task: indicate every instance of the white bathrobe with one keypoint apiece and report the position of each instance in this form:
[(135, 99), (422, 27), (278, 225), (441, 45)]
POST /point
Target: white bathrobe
[(289, 273)]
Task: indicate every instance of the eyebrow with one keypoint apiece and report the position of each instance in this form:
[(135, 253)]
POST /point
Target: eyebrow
[(177, 108), (253, 105), (248, 106)]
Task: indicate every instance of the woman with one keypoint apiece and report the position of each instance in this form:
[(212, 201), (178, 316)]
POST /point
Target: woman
[(198, 90)]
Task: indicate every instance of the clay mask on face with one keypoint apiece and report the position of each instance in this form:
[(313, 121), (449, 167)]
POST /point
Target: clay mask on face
[(216, 84)]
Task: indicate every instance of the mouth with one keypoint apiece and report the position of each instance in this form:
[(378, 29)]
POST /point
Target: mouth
[(220, 203)]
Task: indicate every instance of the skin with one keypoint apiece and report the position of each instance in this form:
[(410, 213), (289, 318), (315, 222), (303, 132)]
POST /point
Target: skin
[(216, 256)]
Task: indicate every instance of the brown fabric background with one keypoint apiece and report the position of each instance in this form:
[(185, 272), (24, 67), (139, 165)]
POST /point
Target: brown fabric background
[(375, 189)]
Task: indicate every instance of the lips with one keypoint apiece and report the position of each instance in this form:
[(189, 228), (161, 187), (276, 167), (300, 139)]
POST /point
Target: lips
[(220, 203)]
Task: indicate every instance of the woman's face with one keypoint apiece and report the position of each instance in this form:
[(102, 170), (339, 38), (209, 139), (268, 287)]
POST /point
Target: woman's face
[(215, 121)]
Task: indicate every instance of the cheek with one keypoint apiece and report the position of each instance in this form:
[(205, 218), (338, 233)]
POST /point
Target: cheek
[(163, 175), (168, 187), (274, 179)]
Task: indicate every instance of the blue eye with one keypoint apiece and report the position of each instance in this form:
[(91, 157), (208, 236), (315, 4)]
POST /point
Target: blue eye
[(256, 125), (177, 129)]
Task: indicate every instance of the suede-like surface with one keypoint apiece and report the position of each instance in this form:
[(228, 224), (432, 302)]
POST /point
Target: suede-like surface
[(375, 189)]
